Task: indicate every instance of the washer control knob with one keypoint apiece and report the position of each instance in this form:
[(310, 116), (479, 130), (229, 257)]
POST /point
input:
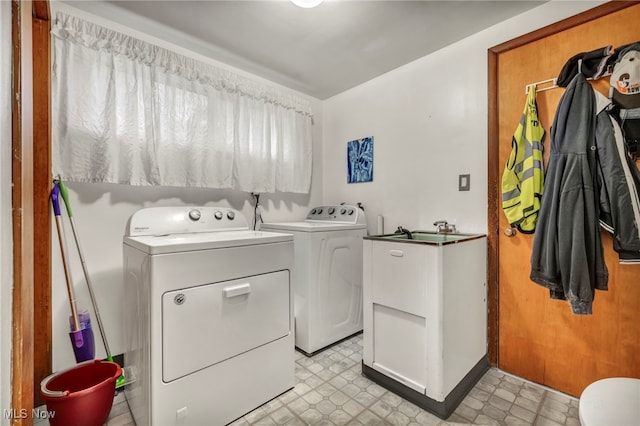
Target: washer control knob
[(319, 211), (218, 215), (231, 215), (195, 215), (331, 210), (350, 212), (313, 211), (343, 211)]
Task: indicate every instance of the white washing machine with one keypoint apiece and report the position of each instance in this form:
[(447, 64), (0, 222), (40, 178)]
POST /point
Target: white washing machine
[(208, 315), (327, 277)]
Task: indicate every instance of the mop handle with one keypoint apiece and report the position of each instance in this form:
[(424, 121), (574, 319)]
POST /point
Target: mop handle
[(56, 210), (65, 197)]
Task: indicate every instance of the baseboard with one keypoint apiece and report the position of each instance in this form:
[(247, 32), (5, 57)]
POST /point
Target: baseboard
[(442, 409)]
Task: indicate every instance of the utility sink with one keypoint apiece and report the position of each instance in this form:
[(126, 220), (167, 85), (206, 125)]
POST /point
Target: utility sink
[(426, 237), (425, 315)]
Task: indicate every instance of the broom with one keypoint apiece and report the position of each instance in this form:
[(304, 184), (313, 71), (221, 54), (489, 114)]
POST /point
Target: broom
[(120, 381), (81, 336)]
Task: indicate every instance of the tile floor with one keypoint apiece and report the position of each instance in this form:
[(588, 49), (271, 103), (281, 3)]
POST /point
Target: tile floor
[(331, 390)]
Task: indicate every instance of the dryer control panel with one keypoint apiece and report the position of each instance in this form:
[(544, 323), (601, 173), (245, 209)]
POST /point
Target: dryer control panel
[(342, 213), (184, 220)]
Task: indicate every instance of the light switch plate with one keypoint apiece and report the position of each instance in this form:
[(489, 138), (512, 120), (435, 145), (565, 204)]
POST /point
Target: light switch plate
[(464, 182)]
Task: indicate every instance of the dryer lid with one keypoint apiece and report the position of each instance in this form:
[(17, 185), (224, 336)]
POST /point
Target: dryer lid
[(184, 220), (175, 243)]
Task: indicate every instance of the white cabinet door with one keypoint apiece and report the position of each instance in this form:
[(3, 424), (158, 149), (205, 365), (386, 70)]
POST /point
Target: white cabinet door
[(400, 275), (400, 346)]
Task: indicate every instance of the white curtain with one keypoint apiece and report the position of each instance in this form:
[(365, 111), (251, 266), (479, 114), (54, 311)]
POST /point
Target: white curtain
[(126, 111)]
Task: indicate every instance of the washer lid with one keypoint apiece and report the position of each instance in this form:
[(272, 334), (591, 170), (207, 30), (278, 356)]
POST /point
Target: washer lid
[(342, 213), (312, 226), (175, 243)]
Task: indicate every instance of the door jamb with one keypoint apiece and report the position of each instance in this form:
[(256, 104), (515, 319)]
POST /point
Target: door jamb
[(31, 174)]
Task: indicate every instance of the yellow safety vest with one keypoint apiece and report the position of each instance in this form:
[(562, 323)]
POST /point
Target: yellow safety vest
[(523, 176)]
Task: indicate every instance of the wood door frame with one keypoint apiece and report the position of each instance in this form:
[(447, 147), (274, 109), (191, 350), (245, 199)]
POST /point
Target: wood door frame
[(31, 175), (41, 186), (495, 169), (22, 211)]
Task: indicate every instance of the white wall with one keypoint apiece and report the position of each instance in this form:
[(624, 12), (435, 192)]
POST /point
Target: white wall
[(6, 245), (101, 212), (429, 122)]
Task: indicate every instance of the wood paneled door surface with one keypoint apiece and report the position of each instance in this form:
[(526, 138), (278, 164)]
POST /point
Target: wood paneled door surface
[(533, 336)]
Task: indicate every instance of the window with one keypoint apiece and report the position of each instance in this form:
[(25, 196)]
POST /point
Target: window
[(126, 111)]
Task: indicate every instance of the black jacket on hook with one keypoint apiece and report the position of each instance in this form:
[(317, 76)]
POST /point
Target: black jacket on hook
[(567, 254), (619, 184)]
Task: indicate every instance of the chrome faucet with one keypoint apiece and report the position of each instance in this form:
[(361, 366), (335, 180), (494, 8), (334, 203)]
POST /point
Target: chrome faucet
[(443, 227), (402, 230)]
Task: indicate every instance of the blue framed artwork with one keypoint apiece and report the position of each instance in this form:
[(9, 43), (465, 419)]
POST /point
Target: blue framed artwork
[(360, 160)]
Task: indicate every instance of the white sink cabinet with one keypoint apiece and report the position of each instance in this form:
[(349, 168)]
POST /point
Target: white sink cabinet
[(425, 318)]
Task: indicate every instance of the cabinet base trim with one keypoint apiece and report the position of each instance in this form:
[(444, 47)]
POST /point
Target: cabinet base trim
[(442, 409)]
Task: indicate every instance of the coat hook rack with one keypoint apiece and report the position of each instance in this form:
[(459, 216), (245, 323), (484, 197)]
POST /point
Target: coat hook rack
[(552, 83), (547, 84)]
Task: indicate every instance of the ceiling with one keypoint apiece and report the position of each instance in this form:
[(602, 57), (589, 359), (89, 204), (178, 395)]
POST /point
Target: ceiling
[(321, 51)]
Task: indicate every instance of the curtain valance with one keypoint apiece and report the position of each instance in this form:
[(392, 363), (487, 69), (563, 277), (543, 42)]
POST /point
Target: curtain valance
[(127, 111)]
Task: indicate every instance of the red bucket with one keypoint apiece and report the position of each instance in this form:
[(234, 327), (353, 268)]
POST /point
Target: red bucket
[(81, 395)]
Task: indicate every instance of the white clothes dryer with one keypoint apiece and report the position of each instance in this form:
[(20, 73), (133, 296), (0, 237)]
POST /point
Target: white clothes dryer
[(327, 277), (208, 314)]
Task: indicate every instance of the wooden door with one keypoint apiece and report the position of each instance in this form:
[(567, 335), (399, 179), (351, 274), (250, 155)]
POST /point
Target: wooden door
[(538, 338)]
